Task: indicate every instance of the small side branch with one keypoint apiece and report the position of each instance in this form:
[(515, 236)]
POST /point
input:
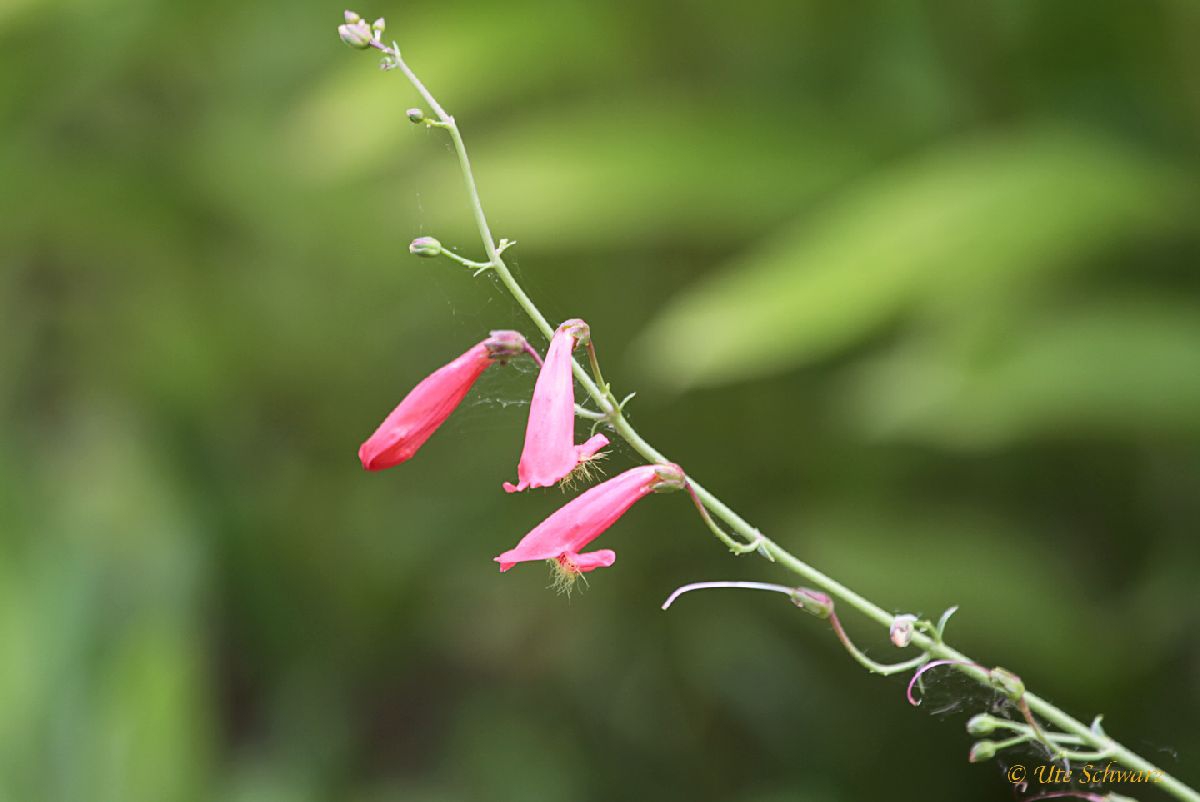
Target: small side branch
[(737, 547), (815, 603)]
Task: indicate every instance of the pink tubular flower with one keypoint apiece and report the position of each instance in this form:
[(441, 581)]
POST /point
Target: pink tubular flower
[(550, 453), (576, 524), (428, 405)]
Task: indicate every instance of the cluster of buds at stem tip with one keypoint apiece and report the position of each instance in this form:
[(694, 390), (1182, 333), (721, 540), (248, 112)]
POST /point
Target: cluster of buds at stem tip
[(428, 405), (358, 33)]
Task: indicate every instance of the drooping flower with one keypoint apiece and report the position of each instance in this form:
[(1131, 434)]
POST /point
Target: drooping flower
[(428, 405), (577, 523), (550, 453)]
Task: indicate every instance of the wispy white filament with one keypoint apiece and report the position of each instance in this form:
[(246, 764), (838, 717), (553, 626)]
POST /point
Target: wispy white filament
[(747, 585)]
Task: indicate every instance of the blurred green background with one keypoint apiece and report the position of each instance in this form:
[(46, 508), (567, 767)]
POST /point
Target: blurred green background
[(911, 285)]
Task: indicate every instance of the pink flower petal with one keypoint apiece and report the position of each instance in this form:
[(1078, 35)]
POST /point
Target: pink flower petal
[(428, 405), (586, 450), (550, 452), (588, 561), (581, 520)]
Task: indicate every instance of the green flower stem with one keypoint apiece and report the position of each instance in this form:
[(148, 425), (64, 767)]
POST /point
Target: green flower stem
[(866, 662), (1103, 744), (605, 388), (1011, 742), (595, 363), (478, 267), (589, 414), (1016, 726), (1084, 756), (714, 527)]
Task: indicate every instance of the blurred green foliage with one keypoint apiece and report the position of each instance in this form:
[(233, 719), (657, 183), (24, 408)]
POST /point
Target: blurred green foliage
[(927, 272)]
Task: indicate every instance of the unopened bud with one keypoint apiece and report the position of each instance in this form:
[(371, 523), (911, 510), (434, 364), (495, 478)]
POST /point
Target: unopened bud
[(981, 751), (902, 629), (813, 602), (351, 17), (425, 246), (416, 115), (356, 34), (505, 344), (378, 26), (669, 475), (981, 724), (1008, 682)]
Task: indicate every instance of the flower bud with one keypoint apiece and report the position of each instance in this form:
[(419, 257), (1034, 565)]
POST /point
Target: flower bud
[(813, 602), (1008, 682), (425, 246), (356, 34), (505, 344), (351, 17), (981, 724), (378, 26), (902, 629), (415, 115), (981, 751), (423, 410)]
